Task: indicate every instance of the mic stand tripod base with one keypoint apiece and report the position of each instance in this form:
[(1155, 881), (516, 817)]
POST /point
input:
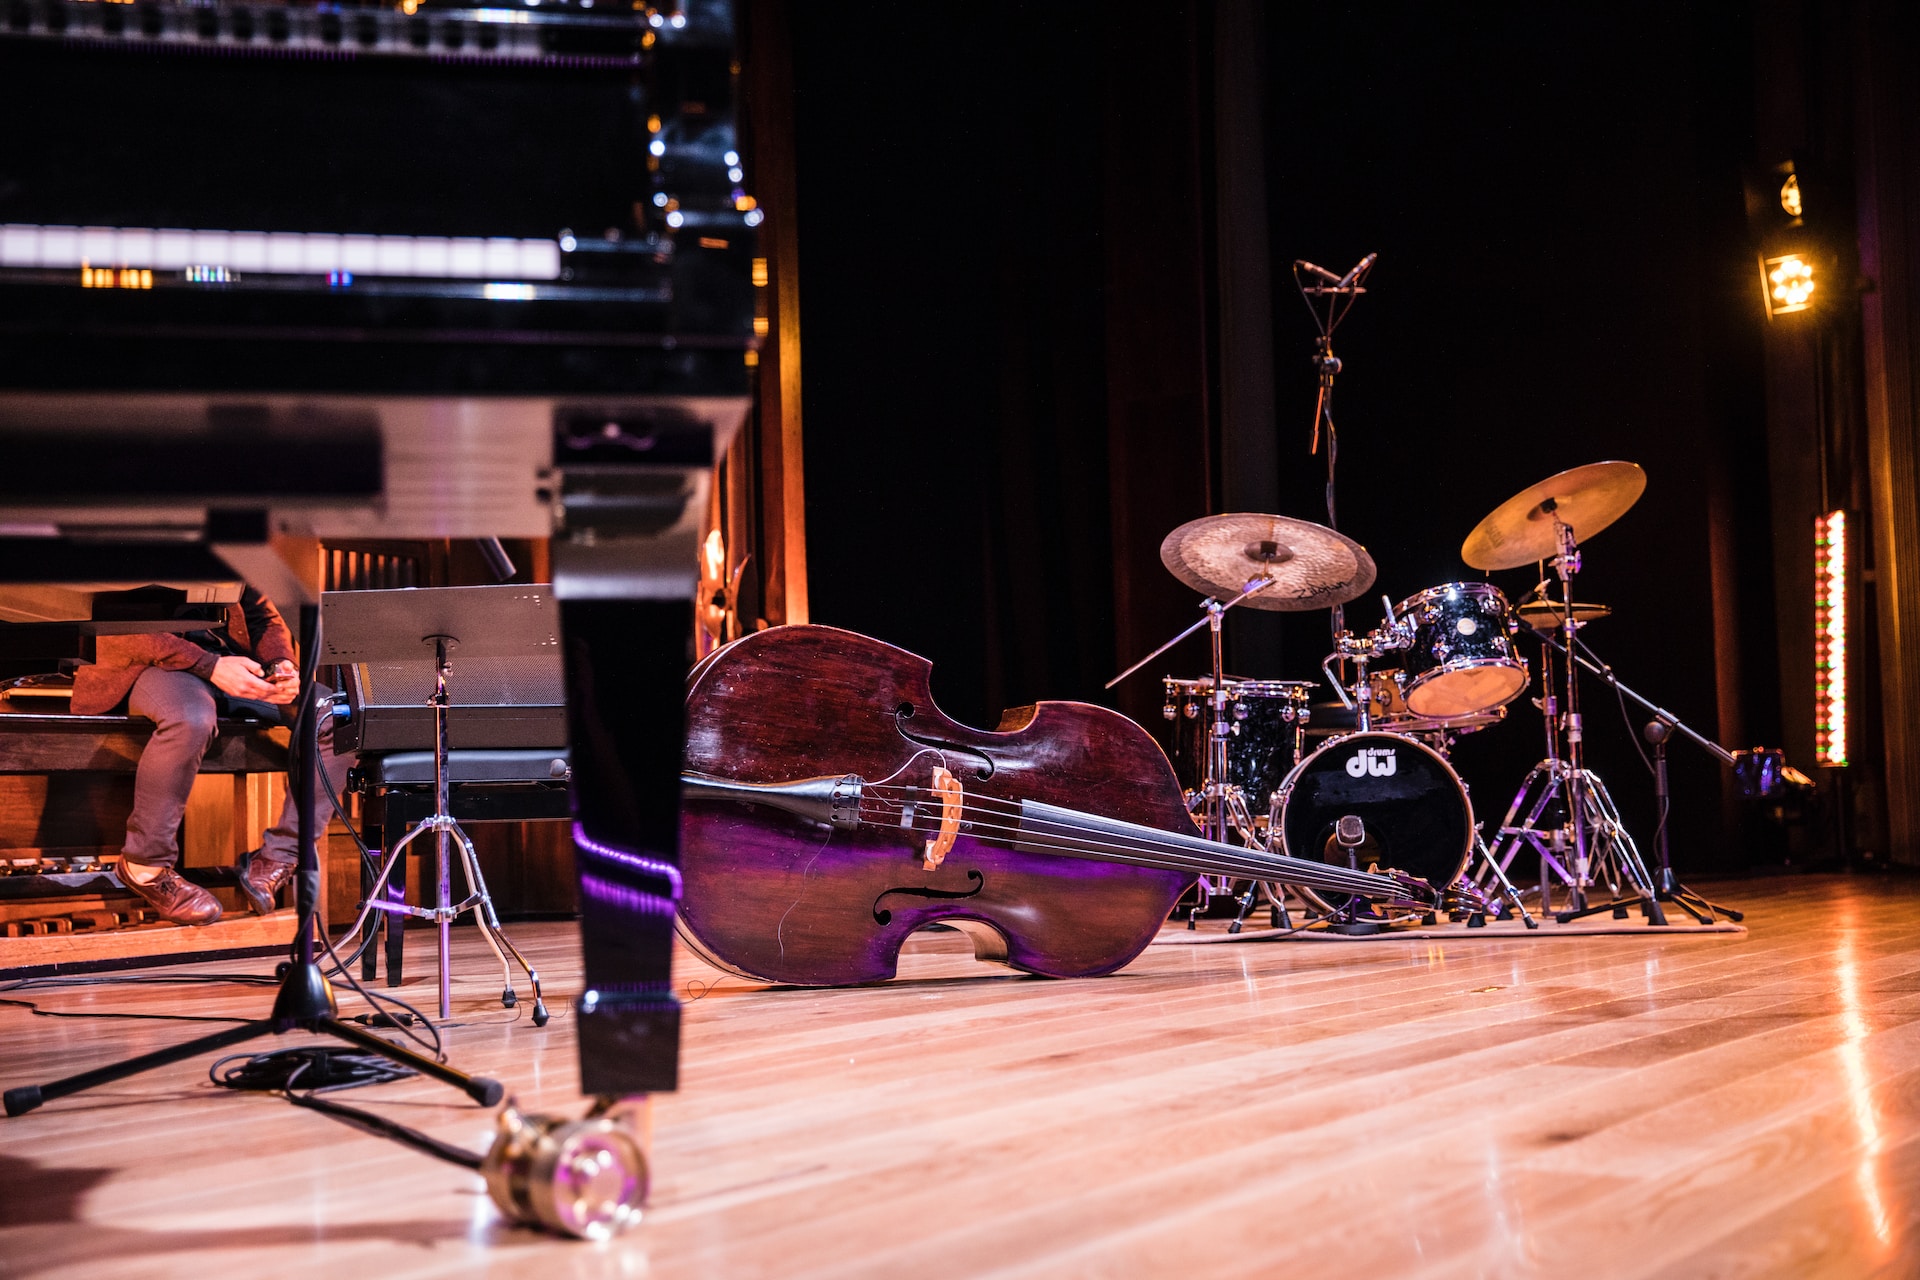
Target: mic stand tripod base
[(1701, 909), (305, 1003), (1649, 907)]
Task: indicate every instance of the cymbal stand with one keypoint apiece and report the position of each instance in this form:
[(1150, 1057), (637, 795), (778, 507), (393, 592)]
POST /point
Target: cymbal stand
[(1221, 809), (1599, 838), (1664, 724)]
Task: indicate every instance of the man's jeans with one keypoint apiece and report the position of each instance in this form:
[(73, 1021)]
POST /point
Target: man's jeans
[(184, 710)]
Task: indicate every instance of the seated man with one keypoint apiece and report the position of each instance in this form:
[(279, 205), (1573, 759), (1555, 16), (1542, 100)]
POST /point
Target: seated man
[(183, 683)]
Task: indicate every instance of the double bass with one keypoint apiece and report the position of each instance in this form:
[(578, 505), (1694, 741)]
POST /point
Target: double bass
[(830, 809)]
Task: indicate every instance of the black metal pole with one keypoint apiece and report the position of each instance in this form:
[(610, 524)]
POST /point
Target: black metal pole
[(1657, 732)]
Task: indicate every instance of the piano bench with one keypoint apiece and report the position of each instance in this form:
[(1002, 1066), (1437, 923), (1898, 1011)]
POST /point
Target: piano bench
[(62, 743), (415, 768)]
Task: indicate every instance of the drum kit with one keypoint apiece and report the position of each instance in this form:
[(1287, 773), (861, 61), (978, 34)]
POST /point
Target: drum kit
[(1367, 780)]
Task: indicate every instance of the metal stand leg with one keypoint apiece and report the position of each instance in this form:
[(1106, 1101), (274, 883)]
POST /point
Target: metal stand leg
[(388, 896), (1498, 874), (1613, 849), (488, 922), (396, 927), (1667, 887)]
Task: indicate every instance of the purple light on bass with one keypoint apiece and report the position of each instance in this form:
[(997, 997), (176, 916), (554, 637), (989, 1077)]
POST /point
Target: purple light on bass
[(624, 858), (625, 898)]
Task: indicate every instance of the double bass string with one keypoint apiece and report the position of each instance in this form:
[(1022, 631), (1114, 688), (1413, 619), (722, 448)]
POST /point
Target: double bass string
[(1138, 849), (1049, 835)]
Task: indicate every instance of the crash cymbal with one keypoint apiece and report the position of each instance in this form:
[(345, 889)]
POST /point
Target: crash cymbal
[(1521, 529), (1312, 566), (1545, 615)]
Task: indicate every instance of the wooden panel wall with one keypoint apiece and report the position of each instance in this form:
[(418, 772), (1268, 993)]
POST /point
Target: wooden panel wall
[(1888, 143)]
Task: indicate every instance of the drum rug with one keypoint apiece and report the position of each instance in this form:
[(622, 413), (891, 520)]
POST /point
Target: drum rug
[(1215, 931)]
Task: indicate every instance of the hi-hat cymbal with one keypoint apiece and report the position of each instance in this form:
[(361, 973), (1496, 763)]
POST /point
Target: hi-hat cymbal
[(1312, 566), (1521, 529)]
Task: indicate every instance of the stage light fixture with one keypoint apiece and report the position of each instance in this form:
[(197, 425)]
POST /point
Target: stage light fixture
[(1790, 195), (1787, 283), (1830, 638)]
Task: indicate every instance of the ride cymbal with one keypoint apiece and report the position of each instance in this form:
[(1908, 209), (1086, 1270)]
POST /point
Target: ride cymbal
[(1312, 566), (1521, 529)]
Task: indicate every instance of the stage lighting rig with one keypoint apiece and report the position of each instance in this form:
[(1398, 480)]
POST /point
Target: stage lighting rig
[(1788, 284), (1793, 262)]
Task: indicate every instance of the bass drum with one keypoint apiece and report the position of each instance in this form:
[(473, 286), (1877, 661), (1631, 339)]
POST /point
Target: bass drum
[(1412, 806)]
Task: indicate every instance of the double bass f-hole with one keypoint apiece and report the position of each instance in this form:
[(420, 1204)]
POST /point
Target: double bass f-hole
[(883, 916), (982, 770)]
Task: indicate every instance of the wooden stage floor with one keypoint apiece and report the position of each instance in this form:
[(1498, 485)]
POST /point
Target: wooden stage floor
[(1684, 1106)]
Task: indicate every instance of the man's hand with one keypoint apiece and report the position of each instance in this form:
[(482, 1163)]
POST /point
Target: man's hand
[(243, 678), (285, 679)]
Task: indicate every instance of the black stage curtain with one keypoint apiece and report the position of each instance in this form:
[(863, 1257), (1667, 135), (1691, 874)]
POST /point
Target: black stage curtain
[(1010, 291)]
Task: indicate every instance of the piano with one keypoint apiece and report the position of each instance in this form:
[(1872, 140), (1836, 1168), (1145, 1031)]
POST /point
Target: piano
[(444, 277)]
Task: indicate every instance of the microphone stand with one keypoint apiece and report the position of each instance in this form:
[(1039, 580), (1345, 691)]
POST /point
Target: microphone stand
[(305, 1000), (1667, 887), (1327, 366)]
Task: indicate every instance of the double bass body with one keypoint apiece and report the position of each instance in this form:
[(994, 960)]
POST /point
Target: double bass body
[(773, 895)]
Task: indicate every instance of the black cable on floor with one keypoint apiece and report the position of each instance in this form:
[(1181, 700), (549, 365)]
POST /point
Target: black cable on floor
[(301, 1074), (38, 1012)]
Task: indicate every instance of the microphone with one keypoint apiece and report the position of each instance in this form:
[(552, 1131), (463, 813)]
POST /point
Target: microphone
[(1322, 272), (498, 561), (1359, 269)]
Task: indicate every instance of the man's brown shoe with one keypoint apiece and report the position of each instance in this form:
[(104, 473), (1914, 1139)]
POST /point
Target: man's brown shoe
[(173, 897), (261, 879)]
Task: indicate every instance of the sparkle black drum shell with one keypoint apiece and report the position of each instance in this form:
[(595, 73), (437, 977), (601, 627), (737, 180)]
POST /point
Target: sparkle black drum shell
[(1414, 806), (1462, 661), (1260, 750)]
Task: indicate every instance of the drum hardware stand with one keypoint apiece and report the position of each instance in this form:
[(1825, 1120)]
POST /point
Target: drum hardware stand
[(1299, 717), (1361, 651), (1276, 903), (1498, 874), (305, 1001), (1222, 809), (1599, 838), (1667, 888), (446, 831), (1217, 817)]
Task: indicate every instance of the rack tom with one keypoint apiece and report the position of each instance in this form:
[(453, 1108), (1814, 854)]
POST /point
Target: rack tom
[(1462, 661)]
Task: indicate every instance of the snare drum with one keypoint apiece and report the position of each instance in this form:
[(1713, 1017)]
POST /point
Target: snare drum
[(1390, 714), (1264, 715), (1462, 660)]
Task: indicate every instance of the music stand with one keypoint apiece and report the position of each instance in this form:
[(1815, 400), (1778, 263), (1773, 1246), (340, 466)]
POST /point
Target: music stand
[(508, 621)]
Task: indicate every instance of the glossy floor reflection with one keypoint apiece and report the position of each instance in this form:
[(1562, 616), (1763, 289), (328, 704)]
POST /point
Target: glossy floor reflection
[(1641, 1106)]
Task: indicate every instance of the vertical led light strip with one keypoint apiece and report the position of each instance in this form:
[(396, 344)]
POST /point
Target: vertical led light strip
[(1830, 638)]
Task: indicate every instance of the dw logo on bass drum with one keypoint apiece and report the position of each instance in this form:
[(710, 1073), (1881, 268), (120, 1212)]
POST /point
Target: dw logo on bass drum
[(1372, 762)]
